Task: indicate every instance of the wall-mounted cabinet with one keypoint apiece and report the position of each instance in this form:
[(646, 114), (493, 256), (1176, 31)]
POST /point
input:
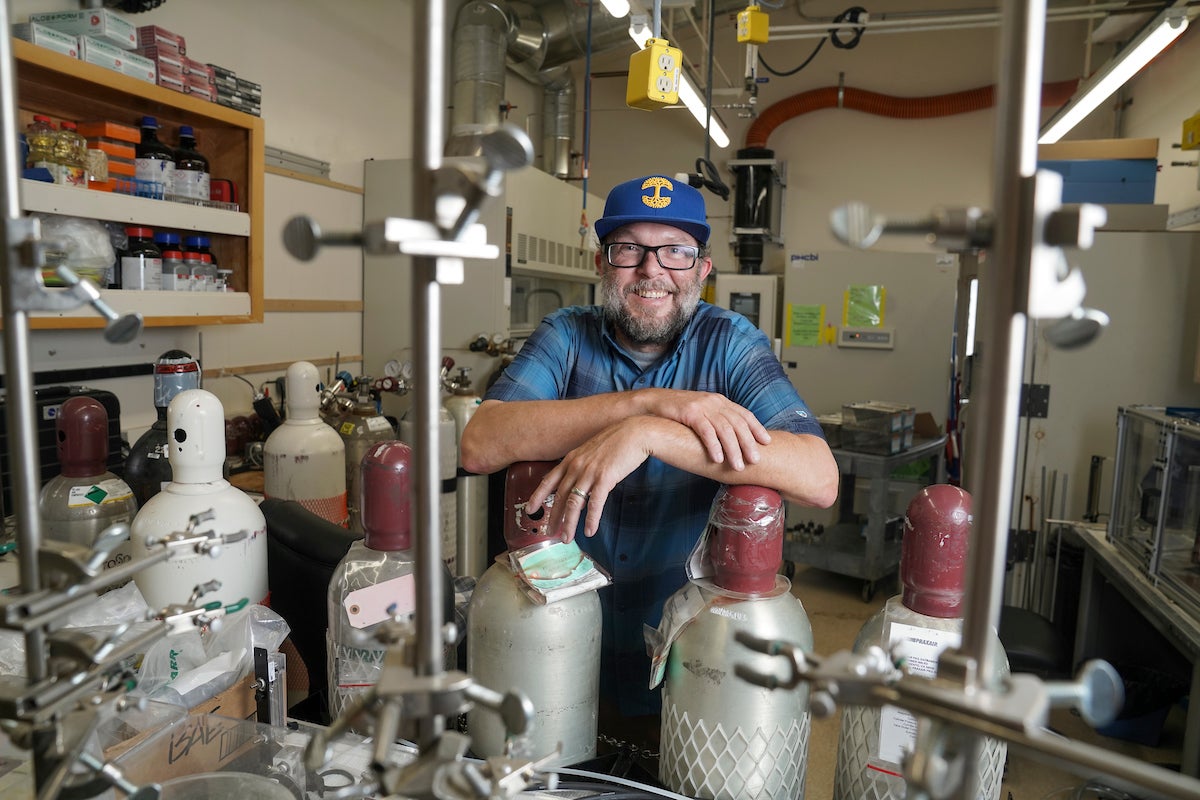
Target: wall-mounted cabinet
[(65, 88)]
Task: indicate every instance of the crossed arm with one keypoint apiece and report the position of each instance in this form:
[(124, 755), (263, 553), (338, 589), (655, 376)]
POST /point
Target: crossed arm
[(605, 437)]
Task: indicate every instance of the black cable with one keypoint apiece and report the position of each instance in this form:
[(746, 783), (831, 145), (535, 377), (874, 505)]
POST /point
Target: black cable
[(851, 15), (712, 178), (779, 74)]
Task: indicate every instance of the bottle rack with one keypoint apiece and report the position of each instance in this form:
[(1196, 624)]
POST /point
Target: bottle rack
[(65, 88)]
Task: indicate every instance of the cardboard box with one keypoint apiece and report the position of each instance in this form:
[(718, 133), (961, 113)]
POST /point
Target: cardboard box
[(166, 62), (107, 129), (165, 40), (237, 701), (99, 23), (104, 54), (112, 147), (202, 90), (47, 37), (172, 82)]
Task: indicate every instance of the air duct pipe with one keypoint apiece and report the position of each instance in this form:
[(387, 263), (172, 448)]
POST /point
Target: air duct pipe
[(480, 43), (558, 120)]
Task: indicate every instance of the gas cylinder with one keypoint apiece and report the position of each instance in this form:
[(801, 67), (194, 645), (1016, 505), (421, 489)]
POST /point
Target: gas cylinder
[(723, 737), (304, 459), (376, 579), (361, 426), (472, 499), (448, 469), (196, 430), (147, 468), (85, 498), (550, 652), (922, 621)]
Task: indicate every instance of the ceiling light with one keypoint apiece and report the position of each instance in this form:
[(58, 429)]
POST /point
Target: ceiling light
[(618, 8), (1161, 31)]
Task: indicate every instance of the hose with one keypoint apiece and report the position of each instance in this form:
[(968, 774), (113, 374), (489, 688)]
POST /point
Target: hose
[(942, 105)]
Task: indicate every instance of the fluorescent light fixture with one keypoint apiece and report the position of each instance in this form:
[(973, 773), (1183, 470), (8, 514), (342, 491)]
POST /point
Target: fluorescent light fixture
[(639, 31), (695, 104), (1163, 30), (618, 8)]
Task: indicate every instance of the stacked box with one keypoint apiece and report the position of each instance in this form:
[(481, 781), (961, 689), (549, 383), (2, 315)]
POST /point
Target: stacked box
[(98, 23), (175, 82), (878, 427), (118, 142), (237, 93), (162, 39), (168, 63), (104, 54), (199, 79), (47, 37)]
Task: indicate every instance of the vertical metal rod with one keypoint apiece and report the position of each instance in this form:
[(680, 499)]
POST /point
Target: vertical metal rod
[(1004, 294), (428, 134), (21, 417)]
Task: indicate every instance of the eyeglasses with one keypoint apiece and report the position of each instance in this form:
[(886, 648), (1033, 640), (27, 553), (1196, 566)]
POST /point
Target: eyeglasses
[(669, 256)]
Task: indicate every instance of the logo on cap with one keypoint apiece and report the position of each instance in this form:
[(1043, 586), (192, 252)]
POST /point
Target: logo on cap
[(657, 200)]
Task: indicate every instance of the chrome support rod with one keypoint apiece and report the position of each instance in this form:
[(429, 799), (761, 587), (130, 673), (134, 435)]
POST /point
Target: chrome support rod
[(428, 140), (21, 416)]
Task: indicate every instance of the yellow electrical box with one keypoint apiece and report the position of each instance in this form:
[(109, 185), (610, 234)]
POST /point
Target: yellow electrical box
[(753, 26), (1191, 133), (654, 76)]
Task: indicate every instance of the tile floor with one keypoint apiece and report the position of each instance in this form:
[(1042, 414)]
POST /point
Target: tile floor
[(837, 611)]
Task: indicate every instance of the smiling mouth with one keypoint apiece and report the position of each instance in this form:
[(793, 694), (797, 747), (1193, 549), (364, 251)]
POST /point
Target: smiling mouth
[(647, 293)]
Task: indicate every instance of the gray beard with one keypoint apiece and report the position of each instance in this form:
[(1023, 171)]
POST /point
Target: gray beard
[(658, 332)]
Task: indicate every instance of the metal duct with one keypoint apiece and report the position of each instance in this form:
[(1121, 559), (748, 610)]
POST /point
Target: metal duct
[(479, 45), (558, 120)]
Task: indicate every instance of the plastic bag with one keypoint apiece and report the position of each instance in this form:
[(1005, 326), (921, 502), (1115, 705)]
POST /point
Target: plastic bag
[(85, 247)]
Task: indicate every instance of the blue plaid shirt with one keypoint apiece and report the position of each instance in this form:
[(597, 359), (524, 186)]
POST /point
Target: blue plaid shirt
[(654, 517)]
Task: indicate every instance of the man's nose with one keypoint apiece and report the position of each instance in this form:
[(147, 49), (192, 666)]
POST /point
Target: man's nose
[(650, 265)]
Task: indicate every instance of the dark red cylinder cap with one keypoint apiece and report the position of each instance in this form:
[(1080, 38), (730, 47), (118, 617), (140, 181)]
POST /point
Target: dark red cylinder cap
[(521, 529), (82, 432), (385, 496), (745, 539), (933, 554)]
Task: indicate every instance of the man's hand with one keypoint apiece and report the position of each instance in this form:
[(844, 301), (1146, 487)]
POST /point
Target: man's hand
[(729, 432), (587, 474)]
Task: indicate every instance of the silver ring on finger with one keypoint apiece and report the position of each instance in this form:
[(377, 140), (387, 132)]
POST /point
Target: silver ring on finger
[(579, 493)]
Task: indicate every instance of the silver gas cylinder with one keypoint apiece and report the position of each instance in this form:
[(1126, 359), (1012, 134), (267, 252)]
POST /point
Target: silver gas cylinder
[(196, 436), (472, 497), (721, 737), (85, 498), (549, 652), (448, 470), (304, 459), (361, 427), (918, 623)]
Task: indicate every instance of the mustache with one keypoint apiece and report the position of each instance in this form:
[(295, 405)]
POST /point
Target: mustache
[(651, 286)]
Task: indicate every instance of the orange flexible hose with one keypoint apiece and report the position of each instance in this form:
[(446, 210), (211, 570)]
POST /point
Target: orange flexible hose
[(942, 105)]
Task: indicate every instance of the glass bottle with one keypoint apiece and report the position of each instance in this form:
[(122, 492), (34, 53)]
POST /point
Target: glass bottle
[(191, 168), (70, 151), (199, 244), (148, 468), (141, 263), (154, 163), (41, 136)]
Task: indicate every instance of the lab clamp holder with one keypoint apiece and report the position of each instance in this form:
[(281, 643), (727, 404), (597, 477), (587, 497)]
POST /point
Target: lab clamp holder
[(87, 676), (403, 695)]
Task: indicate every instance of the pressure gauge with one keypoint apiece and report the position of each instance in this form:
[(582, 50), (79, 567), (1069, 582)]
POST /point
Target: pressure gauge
[(391, 368)]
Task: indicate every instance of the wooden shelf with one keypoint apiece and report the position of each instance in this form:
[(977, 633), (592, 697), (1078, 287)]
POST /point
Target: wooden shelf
[(64, 88)]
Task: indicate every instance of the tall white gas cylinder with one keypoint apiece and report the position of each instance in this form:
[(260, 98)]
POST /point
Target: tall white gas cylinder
[(196, 441), (447, 472), (472, 497), (721, 737), (304, 459), (549, 652), (85, 498), (919, 623)]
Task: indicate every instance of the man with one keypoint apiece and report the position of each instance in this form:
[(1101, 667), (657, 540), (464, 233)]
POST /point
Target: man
[(652, 401)]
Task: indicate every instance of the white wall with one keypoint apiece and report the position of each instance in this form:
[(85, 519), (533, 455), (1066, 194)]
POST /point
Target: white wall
[(337, 85)]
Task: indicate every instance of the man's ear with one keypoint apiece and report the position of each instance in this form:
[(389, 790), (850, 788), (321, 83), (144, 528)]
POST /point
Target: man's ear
[(596, 258), (705, 267)]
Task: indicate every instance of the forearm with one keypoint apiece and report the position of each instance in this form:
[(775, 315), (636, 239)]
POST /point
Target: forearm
[(503, 433), (800, 467)]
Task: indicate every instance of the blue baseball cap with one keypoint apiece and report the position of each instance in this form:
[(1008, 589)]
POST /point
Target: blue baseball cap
[(655, 198)]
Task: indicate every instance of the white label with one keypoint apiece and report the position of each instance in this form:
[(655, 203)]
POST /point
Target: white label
[(192, 183), (920, 648), (140, 272), (371, 605), (378, 424), (156, 176), (112, 490)]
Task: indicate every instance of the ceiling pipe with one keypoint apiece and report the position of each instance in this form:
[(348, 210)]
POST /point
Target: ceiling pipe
[(944, 105)]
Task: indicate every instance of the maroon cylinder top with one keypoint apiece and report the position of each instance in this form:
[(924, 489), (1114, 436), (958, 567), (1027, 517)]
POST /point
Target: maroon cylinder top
[(933, 554), (745, 540), (521, 529), (385, 496), (82, 432)]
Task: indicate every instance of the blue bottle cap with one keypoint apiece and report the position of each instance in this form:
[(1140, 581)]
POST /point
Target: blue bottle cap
[(186, 130), (149, 122)]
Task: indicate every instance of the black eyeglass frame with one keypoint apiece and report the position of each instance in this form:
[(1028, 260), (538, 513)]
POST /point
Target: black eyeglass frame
[(653, 249)]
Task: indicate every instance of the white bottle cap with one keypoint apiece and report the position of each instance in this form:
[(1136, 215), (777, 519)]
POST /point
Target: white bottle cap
[(196, 437), (303, 392)]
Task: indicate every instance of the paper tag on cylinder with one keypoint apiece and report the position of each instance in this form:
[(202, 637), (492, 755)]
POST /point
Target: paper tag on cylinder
[(397, 597)]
